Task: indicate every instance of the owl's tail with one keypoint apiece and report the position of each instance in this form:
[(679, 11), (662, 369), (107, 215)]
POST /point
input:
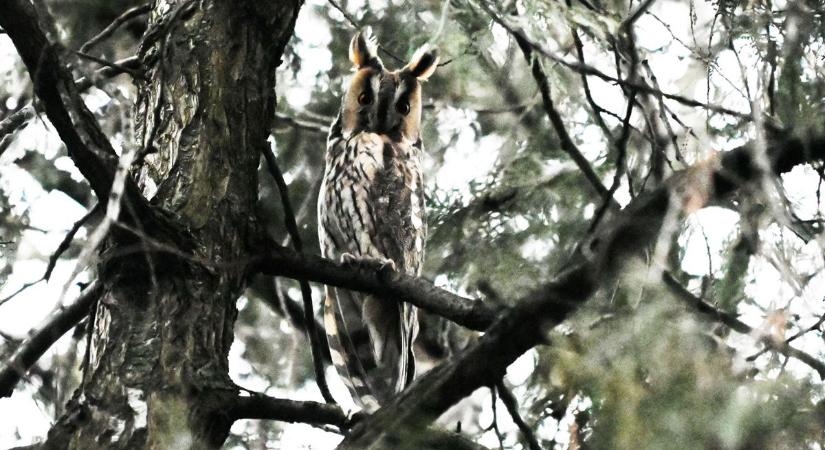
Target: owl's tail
[(370, 342)]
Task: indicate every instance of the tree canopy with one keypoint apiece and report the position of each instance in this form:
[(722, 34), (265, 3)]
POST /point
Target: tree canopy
[(623, 198)]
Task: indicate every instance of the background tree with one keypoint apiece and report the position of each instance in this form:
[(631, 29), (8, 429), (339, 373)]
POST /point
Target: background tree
[(623, 196)]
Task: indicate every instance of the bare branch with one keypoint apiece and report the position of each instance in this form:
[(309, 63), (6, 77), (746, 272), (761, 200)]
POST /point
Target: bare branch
[(18, 291), (127, 15), (354, 22), (281, 261), (14, 121), (259, 406), (567, 143), (302, 124), (511, 404), (135, 73), (67, 240), (55, 326), (306, 292)]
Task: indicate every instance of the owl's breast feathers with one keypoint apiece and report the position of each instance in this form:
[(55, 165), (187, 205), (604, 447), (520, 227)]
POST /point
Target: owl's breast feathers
[(373, 200), (371, 204)]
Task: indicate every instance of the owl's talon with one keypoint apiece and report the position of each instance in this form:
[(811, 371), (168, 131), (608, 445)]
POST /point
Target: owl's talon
[(369, 262), (354, 417), (348, 258)]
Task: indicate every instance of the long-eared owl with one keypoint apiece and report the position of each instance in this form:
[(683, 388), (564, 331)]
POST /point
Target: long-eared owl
[(371, 209)]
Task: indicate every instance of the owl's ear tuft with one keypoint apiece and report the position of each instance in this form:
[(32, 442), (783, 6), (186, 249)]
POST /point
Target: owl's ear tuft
[(423, 62), (363, 49)]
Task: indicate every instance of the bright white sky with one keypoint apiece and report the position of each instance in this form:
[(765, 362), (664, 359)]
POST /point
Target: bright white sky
[(52, 214)]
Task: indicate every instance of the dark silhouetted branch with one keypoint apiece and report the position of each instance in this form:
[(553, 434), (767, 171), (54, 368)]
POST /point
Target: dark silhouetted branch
[(67, 240), (56, 326), (258, 406), (281, 261), (590, 70), (511, 404), (14, 121), (567, 143), (134, 72)]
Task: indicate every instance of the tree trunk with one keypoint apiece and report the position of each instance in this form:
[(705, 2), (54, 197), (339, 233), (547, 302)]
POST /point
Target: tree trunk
[(157, 376)]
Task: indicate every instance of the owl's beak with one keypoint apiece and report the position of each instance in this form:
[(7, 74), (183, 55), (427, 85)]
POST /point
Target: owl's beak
[(390, 124), (385, 119)]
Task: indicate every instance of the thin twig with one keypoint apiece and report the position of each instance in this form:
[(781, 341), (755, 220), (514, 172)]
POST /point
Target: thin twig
[(16, 121), (567, 143), (22, 288), (796, 336), (511, 404), (127, 15), (590, 70), (123, 69), (67, 240), (494, 424), (306, 292), (636, 14), (741, 327), (302, 124), (588, 95)]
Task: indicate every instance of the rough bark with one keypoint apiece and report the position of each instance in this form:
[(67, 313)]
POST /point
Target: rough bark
[(158, 371)]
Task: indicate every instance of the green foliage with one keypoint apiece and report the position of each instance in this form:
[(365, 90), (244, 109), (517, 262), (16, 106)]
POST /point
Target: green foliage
[(658, 379), (636, 369)]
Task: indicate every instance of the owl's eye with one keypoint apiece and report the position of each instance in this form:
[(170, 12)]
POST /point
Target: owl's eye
[(402, 108), (364, 99)]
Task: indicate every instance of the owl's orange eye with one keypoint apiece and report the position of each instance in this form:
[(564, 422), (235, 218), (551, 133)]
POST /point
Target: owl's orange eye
[(364, 99), (403, 108)]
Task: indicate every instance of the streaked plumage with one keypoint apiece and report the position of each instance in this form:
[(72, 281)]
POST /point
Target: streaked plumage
[(371, 208)]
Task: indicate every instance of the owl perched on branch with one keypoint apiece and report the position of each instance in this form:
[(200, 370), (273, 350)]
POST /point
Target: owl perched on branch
[(371, 211)]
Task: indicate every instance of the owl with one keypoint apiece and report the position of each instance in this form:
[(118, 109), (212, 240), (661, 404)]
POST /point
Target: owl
[(371, 211)]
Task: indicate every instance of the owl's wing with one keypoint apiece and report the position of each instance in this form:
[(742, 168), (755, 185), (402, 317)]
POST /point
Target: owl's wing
[(371, 206), (400, 231)]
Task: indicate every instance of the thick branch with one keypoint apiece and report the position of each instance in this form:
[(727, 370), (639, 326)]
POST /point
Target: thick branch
[(470, 313), (258, 406), (265, 407), (56, 326), (636, 228)]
